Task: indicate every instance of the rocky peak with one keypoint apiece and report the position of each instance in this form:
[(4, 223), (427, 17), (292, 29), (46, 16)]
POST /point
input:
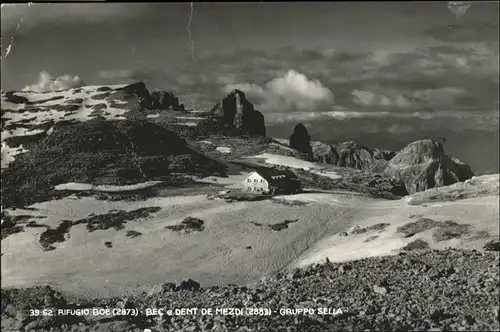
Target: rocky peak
[(142, 100), (423, 165), (349, 154), (419, 152), (300, 140), (235, 112), (138, 88), (238, 94), (166, 100)]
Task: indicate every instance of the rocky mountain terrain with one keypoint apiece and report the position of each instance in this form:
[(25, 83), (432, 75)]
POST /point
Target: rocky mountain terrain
[(101, 152), (63, 128), (423, 165), (419, 166), (29, 117), (109, 135), (349, 154), (136, 186), (417, 290), (164, 100), (238, 116)]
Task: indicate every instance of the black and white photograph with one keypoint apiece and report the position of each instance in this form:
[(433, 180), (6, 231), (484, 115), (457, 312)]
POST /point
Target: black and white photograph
[(250, 166)]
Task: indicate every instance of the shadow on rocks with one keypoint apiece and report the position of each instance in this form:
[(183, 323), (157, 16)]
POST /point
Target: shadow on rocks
[(418, 244), (188, 225), (278, 226), (443, 231)]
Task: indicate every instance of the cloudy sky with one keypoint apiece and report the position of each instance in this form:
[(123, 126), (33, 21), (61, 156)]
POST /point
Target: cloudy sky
[(400, 67)]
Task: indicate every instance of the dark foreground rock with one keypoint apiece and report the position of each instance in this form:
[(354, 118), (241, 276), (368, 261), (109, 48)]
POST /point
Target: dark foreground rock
[(416, 290)]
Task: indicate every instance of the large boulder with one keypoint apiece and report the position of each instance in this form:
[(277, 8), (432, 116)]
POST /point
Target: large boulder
[(423, 165), (301, 141), (238, 116), (349, 154)]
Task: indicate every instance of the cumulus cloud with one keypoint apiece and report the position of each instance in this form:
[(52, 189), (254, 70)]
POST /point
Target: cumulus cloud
[(47, 83), (292, 91), (294, 83), (394, 78)]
